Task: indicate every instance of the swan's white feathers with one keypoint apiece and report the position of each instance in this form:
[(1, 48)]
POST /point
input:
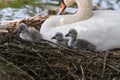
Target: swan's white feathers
[(102, 29)]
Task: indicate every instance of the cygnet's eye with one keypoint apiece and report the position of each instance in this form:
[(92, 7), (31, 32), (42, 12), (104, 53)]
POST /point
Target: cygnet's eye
[(22, 28), (70, 32), (74, 33)]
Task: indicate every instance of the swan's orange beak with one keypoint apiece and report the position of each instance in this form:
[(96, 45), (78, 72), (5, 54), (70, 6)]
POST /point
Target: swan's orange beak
[(62, 6)]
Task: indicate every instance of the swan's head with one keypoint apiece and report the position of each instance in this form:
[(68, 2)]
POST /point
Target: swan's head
[(63, 4), (58, 36), (22, 27), (72, 33)]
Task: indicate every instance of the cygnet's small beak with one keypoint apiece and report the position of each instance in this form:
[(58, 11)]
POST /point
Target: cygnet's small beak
[(66, 35), (18, 33), (62, 7), (53, 37)]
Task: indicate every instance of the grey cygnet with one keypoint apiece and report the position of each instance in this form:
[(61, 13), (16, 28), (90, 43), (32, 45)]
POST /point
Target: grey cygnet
[(60, 40), (79, 44), (29, 34)]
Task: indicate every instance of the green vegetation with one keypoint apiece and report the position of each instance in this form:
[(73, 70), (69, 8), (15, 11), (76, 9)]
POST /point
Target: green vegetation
[(15, 3), (21, 3), (10, 64)]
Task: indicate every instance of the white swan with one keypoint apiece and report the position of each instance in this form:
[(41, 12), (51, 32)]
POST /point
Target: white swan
[(101, 28)]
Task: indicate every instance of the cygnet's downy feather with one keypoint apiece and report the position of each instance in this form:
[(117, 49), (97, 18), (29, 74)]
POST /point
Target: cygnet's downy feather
[(79, 44), (29, 34), (60, 40)]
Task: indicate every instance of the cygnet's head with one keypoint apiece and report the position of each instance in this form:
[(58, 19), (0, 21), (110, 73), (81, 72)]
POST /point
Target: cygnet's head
[(58, 36), (72, 33), (22, 27)]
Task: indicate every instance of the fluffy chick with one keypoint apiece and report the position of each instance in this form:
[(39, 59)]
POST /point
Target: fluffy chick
[(29, 34), (60, 40), (79, 44)]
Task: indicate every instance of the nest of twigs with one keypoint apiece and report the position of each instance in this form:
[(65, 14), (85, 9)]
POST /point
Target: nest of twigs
[(45, 62)]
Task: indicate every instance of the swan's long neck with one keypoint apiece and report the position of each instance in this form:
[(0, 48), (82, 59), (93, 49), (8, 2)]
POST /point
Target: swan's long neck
[(84, 12), (84, 9)]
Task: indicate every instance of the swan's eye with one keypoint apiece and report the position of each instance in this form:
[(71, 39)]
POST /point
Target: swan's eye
[(61, 1)]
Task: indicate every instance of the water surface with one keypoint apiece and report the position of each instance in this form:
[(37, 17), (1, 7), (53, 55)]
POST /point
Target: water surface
[(19, 9)]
